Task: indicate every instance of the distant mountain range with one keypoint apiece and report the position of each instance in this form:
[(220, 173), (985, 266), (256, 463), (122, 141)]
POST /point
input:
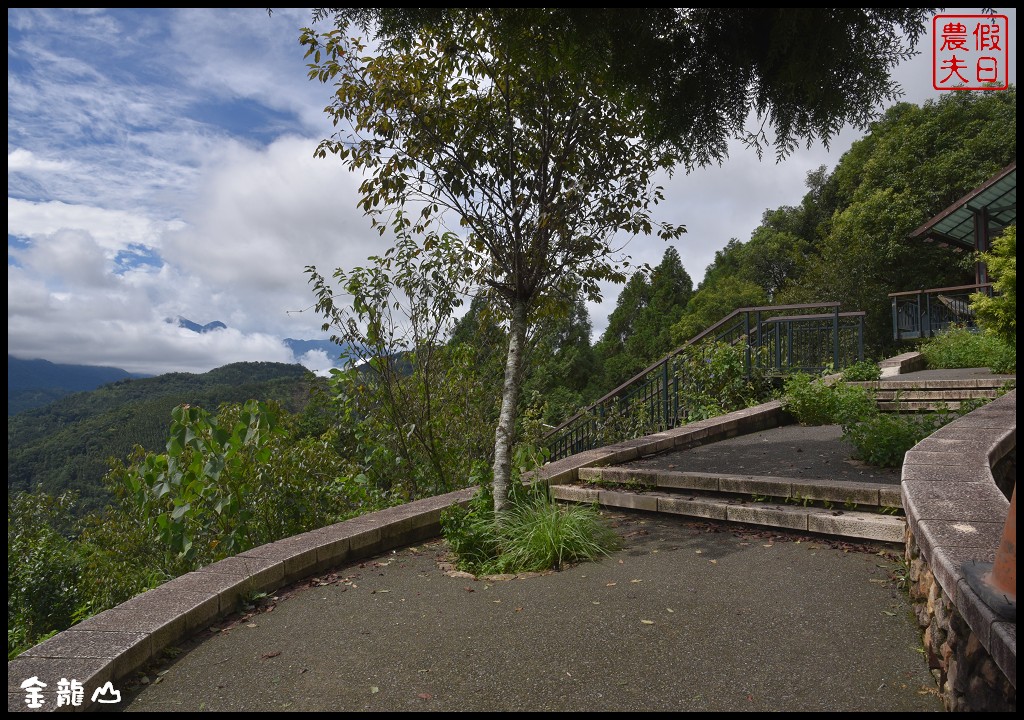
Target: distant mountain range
[(196, 327), (34, 383)]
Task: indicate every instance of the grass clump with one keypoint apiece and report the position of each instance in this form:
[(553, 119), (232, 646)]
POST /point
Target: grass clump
[(534, 534), (959, 347)]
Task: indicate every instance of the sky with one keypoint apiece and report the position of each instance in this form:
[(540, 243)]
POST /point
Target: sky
[(160, 165)]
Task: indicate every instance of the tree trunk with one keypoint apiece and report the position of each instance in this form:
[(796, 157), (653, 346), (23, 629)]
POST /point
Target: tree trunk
[(505, 434)]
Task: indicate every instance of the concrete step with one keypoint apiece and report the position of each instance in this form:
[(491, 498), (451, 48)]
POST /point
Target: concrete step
[(875, 495), (842, 523), (930, 395)]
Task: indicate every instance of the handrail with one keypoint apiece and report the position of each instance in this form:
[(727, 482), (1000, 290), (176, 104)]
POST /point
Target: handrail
[(938, 290), (693, 341)]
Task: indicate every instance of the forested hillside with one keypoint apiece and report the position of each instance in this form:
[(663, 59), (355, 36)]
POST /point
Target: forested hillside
[(66, 445)]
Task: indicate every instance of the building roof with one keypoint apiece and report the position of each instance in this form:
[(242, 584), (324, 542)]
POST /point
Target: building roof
[(955, 224)]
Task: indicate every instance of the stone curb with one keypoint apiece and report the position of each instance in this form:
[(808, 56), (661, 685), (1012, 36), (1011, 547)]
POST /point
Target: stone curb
[(956, 513), (111, 645)]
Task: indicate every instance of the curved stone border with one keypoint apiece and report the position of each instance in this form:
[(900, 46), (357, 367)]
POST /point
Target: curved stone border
[(955, 514), (109, 646)]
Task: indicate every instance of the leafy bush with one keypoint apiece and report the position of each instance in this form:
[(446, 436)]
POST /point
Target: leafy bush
[(959, 347), (815, 402), (42, 568), (883, 439), (233, 481), (713, 380), (998, 314), (534, 534), (862, 371)]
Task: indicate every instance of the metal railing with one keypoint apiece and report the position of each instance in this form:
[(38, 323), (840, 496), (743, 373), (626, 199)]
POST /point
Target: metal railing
[(922, 313), (777, 339)]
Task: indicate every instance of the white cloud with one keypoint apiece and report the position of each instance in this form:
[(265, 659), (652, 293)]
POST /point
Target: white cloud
[(189, 134), (317, 362), (20, 160), (111, 229)]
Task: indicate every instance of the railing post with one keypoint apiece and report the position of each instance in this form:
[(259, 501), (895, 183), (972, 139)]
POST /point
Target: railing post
[(778, 346), (789, 345), (746, 333), (860, 338), (926, 322), (895, 322), (664, 393), (835, 339)]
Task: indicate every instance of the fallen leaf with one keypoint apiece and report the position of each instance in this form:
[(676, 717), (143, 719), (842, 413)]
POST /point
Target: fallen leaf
[(374, 689), (469, 589), (700, 552), (636, 581), (647, 622), (271, 654), (595, 602), (767, 546), (425, 696), (251, 625), (519, 609), (890, 614), (713, 562), (670, 610), (611, 584)]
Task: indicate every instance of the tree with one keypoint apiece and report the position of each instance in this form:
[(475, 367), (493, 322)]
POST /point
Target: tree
[(543, 157), (998, 315), (697, 75), (916, 161), (639, 328), (539, 167)]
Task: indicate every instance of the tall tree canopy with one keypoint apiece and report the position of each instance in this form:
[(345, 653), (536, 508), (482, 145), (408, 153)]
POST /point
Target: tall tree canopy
[(697, 74), (538, 131)]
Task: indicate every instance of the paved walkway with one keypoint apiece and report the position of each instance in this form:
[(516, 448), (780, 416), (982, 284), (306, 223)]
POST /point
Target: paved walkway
[(688, 616)]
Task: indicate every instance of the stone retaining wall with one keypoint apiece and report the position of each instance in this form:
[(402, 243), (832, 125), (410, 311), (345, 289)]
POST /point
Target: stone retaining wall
[(955, 515)]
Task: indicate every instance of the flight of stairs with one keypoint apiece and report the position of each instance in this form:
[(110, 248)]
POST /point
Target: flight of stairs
[(861, 510), (932, 394)]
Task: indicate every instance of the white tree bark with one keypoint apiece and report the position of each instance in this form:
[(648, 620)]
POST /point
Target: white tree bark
[(505, 434)]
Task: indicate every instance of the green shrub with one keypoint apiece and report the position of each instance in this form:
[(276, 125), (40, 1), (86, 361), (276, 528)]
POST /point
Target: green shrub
[(43, 568), (862, 371), (998, 314), (815, 402), (534, 534), (959, 347), (713, 380), (883, 439)]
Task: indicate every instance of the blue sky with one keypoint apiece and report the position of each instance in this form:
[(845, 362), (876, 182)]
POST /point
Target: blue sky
[(160, 163)]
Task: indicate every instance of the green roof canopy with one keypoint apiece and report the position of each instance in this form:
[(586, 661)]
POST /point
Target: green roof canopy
[(977, 216)]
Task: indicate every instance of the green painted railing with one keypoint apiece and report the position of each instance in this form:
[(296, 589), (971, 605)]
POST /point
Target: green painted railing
[(922, 313), (778, 339)]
